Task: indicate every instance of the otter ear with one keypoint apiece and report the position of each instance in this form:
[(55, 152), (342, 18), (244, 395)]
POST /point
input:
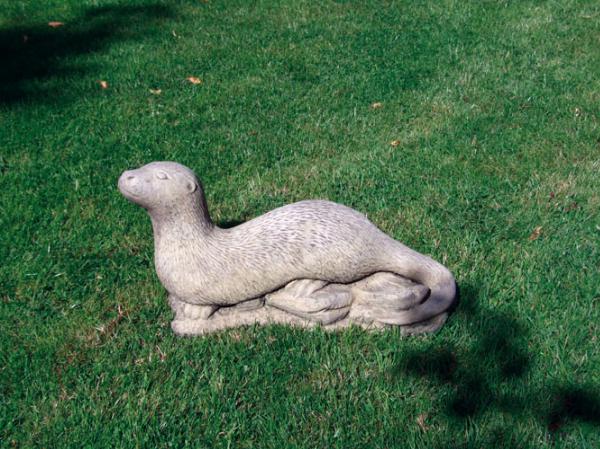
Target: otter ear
[(191, 186)]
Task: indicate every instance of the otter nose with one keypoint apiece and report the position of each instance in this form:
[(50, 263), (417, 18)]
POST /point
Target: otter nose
[(130, 185), (126, 176), (127, 180)]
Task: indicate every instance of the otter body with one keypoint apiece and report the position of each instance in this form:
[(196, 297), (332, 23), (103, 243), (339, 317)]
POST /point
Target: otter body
[(304, 240), (201, 264)]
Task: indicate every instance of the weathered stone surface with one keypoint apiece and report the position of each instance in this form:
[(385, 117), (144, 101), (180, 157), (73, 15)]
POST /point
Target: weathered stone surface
[(308, 263)]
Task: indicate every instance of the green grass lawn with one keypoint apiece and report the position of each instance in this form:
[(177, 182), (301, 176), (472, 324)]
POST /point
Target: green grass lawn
[(494, 109)]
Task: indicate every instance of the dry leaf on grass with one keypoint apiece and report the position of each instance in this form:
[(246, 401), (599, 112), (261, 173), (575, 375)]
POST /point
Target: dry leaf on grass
[(194, 80), (55, 24), (395, 143), (421, 422), (103, 84), (377, 105), (155, 91), (536, 233), (572, 206)]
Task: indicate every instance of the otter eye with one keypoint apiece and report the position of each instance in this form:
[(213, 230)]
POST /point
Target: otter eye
[(162, 175)]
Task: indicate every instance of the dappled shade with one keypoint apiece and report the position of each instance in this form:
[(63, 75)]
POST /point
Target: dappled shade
[(33, 55)]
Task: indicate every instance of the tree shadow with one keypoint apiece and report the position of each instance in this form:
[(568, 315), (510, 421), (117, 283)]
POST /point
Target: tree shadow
[(33, 55), (573, 402), (492, 372)]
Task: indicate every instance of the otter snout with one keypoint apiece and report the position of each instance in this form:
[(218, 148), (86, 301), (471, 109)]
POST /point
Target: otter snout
[(130, 184)]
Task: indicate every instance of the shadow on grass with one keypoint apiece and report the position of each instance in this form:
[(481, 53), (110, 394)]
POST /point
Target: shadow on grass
[(493, 373), (228, 224), (32, 56)]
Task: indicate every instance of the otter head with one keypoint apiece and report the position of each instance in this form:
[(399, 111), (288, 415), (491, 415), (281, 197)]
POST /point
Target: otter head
[(160, 186)]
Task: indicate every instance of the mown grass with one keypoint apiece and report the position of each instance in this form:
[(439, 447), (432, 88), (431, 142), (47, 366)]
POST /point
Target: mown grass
[(495, 105)]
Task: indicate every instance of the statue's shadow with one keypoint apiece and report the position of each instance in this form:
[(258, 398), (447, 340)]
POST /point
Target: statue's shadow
[(493, 368), (228, 224)]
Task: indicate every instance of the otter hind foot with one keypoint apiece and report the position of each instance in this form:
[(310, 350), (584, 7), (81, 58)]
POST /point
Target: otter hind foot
[(313, 300), (389, 291), (381, 297)]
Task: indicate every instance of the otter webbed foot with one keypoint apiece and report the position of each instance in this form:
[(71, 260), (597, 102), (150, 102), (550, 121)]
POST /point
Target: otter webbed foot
[(383, 297), (314, 300)]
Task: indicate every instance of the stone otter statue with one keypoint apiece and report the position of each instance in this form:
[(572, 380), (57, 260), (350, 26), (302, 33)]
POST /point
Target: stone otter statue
[(311, 262)]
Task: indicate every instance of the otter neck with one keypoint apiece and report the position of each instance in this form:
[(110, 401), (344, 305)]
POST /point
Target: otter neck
[(188, 221)]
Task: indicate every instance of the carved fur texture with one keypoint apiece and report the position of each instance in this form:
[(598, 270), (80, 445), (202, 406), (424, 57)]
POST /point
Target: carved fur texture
[(308, 262)]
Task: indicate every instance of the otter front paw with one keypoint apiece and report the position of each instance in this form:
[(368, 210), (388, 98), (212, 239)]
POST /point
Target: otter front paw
[(185, 311), (193, 320), (193, 312)]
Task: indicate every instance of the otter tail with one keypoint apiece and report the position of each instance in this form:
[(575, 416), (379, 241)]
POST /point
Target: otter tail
[(424, 270)]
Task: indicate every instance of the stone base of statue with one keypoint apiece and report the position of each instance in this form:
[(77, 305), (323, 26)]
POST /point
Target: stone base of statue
[(371, 303)]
